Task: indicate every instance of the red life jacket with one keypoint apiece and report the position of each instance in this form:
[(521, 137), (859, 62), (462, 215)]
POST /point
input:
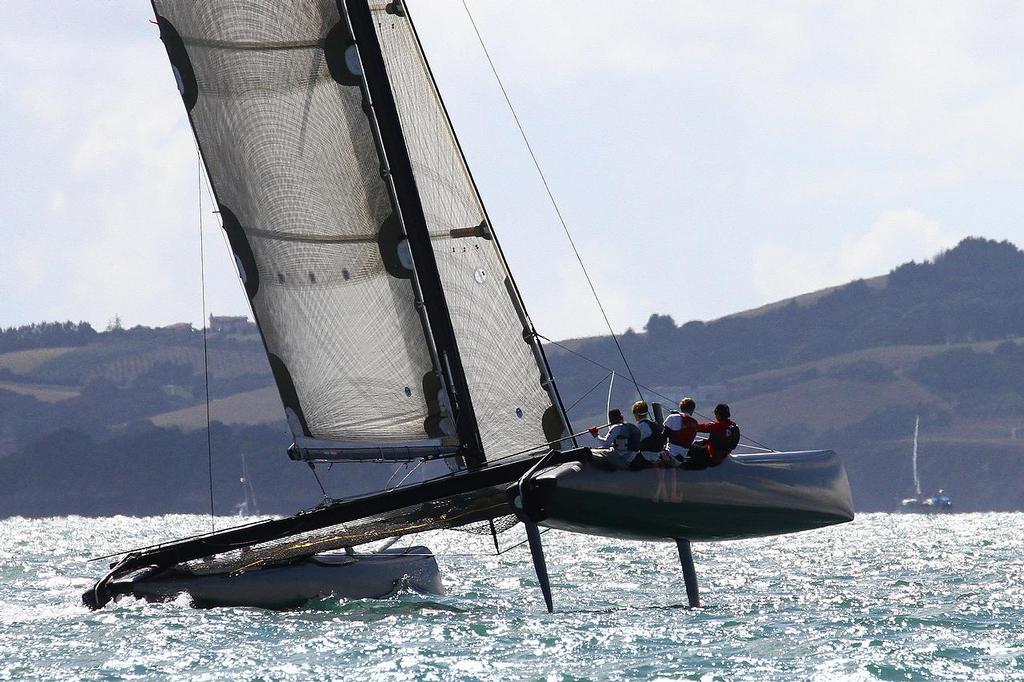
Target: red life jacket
[(723, 437), (684, 436)]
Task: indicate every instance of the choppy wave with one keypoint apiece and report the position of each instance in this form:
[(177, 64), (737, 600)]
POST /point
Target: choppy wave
[(889, 597)]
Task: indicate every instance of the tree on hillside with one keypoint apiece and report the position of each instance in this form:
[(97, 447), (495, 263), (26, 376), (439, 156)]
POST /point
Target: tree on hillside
[(660, 326), (46, 335), (969, 293)]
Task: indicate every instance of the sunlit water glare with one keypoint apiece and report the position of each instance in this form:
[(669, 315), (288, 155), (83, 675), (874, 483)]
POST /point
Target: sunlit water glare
[(895, 597)]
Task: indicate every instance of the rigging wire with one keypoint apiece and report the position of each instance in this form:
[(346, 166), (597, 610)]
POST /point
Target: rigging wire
[(312, 467), (551, 196), (594, 362), (499, 552), (405, 464), (587, 392), (206, 352), (568, 234), (410, 473), (611, 385)]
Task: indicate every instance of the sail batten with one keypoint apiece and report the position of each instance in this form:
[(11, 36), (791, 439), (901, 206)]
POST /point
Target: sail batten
[(354, 239), (247, 45)]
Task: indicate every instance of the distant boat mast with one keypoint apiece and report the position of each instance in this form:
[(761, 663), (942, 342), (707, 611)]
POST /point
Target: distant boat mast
[(248, 504), (917, 481)]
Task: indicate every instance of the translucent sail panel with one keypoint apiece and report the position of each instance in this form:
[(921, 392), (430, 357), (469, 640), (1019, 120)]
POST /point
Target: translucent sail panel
[(292, 158), (512, 406)]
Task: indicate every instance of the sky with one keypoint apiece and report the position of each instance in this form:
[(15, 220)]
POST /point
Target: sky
[(707, 157)]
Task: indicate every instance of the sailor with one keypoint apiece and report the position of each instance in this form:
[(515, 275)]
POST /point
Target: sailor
[(723, 437), (619, 446), (680, 430), (651, 437)]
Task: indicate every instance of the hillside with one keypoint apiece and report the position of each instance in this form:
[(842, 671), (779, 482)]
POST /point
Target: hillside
[(804, 300), (847, 367), (850, 367)]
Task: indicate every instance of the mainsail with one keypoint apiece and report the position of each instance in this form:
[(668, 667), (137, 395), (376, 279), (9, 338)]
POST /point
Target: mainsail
[(393, 327)]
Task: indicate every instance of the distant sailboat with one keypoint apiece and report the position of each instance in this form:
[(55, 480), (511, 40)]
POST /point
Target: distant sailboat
[(936, 503), (395, 331), (248, 506)]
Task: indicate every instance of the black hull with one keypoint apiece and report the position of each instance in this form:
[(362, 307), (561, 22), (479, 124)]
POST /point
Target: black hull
[(747, 496)]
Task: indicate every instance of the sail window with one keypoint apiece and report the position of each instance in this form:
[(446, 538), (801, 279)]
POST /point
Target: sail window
[(280, 278), (312, 277), (345, 274), (352, 60), (405, 254), (408, 392), (519, 412), (178, 79)]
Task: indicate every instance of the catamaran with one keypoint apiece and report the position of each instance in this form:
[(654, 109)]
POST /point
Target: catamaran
[(395, 330)]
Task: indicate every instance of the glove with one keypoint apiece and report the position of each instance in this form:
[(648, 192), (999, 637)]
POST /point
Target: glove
[(593, 431)]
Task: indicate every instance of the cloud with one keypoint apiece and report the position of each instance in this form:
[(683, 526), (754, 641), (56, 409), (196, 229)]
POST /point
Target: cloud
[(896, 237), (777, 134), (778, 126), (58, 201), (110, 155)]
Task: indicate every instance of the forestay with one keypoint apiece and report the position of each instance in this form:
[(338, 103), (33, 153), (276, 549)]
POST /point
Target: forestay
[(283, 117)]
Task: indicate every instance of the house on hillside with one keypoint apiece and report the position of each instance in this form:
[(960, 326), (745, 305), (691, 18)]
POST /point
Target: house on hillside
[(231, 324), (178, 327)]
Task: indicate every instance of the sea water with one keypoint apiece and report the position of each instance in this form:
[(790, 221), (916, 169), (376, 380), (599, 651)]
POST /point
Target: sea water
[(894, 597)]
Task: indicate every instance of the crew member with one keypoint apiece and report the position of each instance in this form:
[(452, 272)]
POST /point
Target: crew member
[(723, 437), (680, 430), (651, 437), (619, 446)]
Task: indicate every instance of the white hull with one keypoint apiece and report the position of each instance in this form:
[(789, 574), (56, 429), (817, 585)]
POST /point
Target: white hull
[(360, 576), (930, 505)]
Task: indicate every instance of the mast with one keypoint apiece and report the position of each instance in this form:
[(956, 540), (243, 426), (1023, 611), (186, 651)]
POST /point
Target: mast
[(917, 481), (400, 174)]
